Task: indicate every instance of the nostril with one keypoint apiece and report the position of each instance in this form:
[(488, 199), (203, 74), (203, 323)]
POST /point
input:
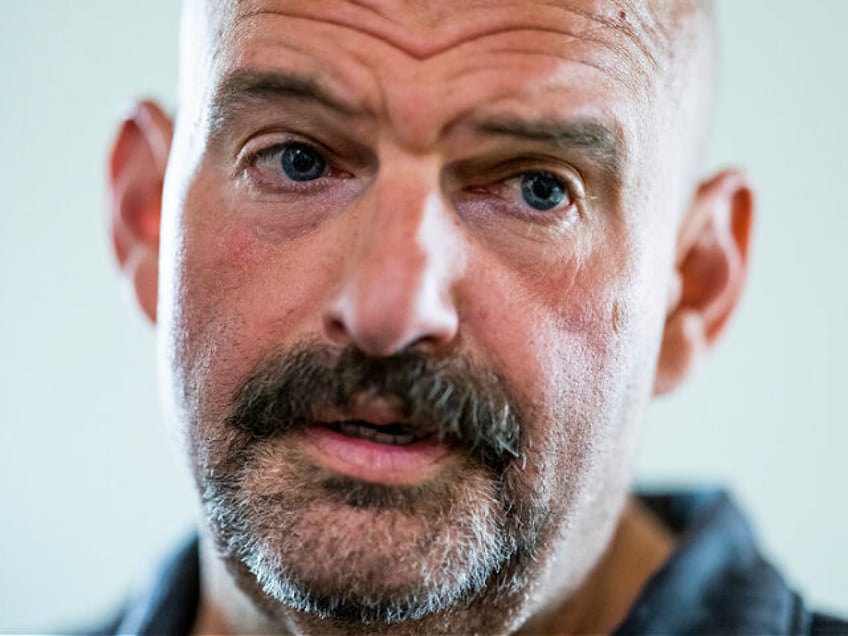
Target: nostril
[(336, 331), (426, 343)]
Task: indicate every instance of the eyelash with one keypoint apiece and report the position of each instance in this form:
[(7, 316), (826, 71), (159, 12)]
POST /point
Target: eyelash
[(506, 188), (507, 177), (250, 157)]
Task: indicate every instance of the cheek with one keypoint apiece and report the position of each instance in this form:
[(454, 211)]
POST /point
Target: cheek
[(551, 334), (241, 294), (574, 341)]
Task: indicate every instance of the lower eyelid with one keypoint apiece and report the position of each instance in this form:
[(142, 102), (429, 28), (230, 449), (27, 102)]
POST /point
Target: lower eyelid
[(512, 203), (279, 184)]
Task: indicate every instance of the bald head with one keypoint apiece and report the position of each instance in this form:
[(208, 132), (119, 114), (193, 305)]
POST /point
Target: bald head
[(692, 84)]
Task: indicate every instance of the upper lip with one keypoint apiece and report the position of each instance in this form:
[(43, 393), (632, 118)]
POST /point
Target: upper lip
[(373, 410), (372, 417)]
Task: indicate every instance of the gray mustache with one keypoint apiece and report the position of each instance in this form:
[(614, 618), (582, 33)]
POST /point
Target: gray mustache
[(445, 396)]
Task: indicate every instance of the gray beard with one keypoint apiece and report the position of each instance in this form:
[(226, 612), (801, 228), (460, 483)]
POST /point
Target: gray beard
[(352, 552), (296, 537)]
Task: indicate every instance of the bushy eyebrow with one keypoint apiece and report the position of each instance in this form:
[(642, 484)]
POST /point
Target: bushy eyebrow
[(589, 137), (244, 88)]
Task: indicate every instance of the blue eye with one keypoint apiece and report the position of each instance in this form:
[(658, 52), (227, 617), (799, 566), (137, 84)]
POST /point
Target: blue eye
[(301, 162), (542, 191)]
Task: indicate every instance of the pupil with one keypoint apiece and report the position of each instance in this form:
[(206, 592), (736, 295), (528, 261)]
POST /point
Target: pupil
[(302, 163), (542, 191)]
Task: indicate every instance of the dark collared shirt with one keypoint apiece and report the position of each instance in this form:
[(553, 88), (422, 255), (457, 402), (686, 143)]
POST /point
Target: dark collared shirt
[(716, 582)]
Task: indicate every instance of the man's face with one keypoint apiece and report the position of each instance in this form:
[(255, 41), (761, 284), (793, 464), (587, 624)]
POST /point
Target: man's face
[(375, 218)]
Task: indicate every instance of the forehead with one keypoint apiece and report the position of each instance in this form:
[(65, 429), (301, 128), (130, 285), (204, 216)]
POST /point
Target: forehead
[(425, 28), (384, 53)]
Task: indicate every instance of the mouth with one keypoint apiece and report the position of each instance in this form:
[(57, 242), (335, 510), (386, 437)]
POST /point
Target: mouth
[(372, 442), (394, 434)]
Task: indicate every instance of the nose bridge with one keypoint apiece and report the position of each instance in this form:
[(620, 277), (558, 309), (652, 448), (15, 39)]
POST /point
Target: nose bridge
[(396, 290), (396, 216), (391, 262)]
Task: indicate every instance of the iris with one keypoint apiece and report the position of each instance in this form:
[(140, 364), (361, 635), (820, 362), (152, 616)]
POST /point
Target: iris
[(542, 191), (301, 162)]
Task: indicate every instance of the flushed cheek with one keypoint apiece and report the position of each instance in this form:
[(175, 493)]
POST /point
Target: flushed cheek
[(558, 342), (550, 332), (243, 298)]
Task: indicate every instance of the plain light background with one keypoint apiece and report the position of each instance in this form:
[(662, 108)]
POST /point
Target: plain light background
[(91, 492)]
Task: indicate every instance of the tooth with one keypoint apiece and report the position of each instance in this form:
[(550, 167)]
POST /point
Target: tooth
[(354, 429), (367, 433), (385, 438), (348, 429)]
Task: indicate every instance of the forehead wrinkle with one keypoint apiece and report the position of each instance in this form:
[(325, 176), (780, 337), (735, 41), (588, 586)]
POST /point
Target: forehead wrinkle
[(554, 20), (649, 27), (244, 88), (613, 71), (529, 27), (638, 41), (420, 43), (644, 43)]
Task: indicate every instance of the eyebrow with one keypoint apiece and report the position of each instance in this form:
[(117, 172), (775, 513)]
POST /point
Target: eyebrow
[(597, 140), (244, 88)]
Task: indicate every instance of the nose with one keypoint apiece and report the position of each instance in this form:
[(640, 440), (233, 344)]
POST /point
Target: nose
[(401, 263)]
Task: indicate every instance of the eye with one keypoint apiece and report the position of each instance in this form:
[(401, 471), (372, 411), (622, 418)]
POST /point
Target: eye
[(542, 190), (301, 162), (522, 189)]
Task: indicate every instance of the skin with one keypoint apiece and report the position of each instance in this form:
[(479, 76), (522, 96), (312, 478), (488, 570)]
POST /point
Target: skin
[(418, 238)]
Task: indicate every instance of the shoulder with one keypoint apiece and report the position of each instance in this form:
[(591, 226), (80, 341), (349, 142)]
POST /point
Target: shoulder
[(167, 604), (717, 580), (826, 625)]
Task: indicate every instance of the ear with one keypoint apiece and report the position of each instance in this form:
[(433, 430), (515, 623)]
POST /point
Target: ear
[(710, 272), (136, 173)]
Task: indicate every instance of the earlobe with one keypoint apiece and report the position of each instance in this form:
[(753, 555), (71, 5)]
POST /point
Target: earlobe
[(710, 272), (137, 166)]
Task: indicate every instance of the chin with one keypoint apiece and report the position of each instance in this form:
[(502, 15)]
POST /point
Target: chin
[(297, 538)]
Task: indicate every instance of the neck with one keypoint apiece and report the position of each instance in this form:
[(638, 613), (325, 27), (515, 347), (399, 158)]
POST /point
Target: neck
[(640, 545)]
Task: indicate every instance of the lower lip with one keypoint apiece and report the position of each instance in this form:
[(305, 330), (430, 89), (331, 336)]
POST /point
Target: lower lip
[(369, 461)]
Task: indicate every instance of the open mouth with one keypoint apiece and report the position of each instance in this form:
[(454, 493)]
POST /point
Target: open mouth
[(395, 434), (373, 442)]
